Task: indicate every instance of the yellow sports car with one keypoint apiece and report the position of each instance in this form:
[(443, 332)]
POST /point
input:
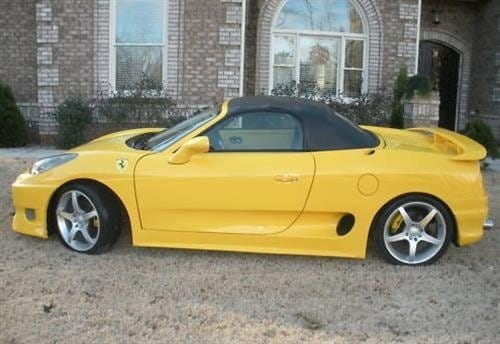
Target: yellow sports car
[(263, 174)]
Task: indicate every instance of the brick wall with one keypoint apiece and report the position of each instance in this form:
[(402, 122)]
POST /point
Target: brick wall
[(64, 56), (70, 52), (18, 48), (252, 16), (457, 18), (400, 19), (74, 53), (212, 48), (52, 48), (485, 87), (203, 51)]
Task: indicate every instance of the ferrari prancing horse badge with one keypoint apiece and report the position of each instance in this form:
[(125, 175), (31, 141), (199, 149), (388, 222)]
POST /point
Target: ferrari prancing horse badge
[(121, 165)]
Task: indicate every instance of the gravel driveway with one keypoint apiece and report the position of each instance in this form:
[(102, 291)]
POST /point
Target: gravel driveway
[(49, 294)]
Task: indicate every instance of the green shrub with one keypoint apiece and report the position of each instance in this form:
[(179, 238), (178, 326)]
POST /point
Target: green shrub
[(174, 119), (13, 130), (372, 109), (400, 91), (401, 84), (307, 90), (397, 120), (481, 132), (418, 84), (73, 117), (285, 90), (146, 103)]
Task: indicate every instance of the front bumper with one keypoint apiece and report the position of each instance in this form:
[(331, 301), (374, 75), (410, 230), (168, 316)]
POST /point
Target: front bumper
[(30, 202)]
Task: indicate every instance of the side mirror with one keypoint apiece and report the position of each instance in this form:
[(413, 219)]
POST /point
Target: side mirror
[(194, 146)]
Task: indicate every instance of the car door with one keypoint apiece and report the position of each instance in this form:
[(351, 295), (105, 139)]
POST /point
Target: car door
[(255, 179)]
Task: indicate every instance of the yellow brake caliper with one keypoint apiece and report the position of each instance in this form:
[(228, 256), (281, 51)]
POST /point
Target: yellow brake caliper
[(396, 222)]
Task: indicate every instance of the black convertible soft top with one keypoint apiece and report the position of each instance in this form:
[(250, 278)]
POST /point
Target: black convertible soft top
[(323, 128)]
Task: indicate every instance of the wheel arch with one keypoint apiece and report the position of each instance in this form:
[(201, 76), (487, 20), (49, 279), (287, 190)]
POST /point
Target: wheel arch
[(418, 194), (88, 182)]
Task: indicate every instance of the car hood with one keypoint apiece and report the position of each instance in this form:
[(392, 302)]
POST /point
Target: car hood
[(115, 142), (433, 140)]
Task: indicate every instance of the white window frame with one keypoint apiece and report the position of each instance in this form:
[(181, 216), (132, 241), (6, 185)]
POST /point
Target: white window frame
[(343, 36), (113, 45)]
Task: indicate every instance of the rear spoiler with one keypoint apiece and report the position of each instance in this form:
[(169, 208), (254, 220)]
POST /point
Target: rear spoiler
[(459, 146)]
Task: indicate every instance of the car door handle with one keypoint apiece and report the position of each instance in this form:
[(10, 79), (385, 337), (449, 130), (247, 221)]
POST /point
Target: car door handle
[(286, 178)]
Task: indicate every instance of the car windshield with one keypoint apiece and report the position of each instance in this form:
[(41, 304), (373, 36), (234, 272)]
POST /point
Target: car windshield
[(166, 137)]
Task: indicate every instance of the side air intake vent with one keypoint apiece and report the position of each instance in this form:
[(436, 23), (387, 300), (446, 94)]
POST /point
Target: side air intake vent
[(345, 224)]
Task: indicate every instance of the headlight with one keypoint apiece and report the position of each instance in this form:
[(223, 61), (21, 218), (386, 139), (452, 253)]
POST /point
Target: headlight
[(51, 162)]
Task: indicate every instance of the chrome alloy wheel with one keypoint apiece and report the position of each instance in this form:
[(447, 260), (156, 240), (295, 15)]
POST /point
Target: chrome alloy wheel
[(77, 220), (415, 232)]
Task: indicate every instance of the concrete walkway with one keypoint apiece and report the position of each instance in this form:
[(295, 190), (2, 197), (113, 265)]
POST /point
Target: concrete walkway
[(493, 165), (34, 152)]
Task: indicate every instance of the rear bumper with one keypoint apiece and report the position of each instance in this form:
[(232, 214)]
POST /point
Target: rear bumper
[(30, 202), (471, 217), (489, 224)]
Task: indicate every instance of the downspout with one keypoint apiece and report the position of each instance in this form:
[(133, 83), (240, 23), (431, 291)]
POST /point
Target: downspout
[(180, 55), (242, 40), (419, 20)]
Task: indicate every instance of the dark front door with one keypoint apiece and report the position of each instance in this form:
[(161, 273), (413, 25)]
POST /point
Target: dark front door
[(441, 64)]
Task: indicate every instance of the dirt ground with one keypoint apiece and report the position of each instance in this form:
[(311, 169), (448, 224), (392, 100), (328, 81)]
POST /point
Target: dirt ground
[(49, 294)]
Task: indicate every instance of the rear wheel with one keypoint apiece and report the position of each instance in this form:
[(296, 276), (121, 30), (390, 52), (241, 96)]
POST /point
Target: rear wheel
[(414, 230), (87, 218)]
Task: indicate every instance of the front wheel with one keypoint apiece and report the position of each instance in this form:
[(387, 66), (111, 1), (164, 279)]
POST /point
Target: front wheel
[(414, 230), (87, 218)]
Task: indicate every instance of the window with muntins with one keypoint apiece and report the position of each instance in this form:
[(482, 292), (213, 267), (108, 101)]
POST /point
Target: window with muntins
[(321, 43), (139, 42)]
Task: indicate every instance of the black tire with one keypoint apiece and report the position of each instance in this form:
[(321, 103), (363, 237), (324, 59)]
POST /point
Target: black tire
[(444, 233), (109, 216)]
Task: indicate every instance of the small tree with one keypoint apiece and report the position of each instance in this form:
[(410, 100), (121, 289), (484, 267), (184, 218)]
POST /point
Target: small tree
[(418, 84), (400, 90), (73, 116), (481, 132), (13, 131)]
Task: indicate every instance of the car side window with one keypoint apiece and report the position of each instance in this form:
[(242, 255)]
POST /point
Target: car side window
[(257, 131)]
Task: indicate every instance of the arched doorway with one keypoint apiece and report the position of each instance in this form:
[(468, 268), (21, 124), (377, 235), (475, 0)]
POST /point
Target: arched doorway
[(441, 64)]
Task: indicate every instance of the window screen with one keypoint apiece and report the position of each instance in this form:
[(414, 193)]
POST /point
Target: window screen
[(139, 41)]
